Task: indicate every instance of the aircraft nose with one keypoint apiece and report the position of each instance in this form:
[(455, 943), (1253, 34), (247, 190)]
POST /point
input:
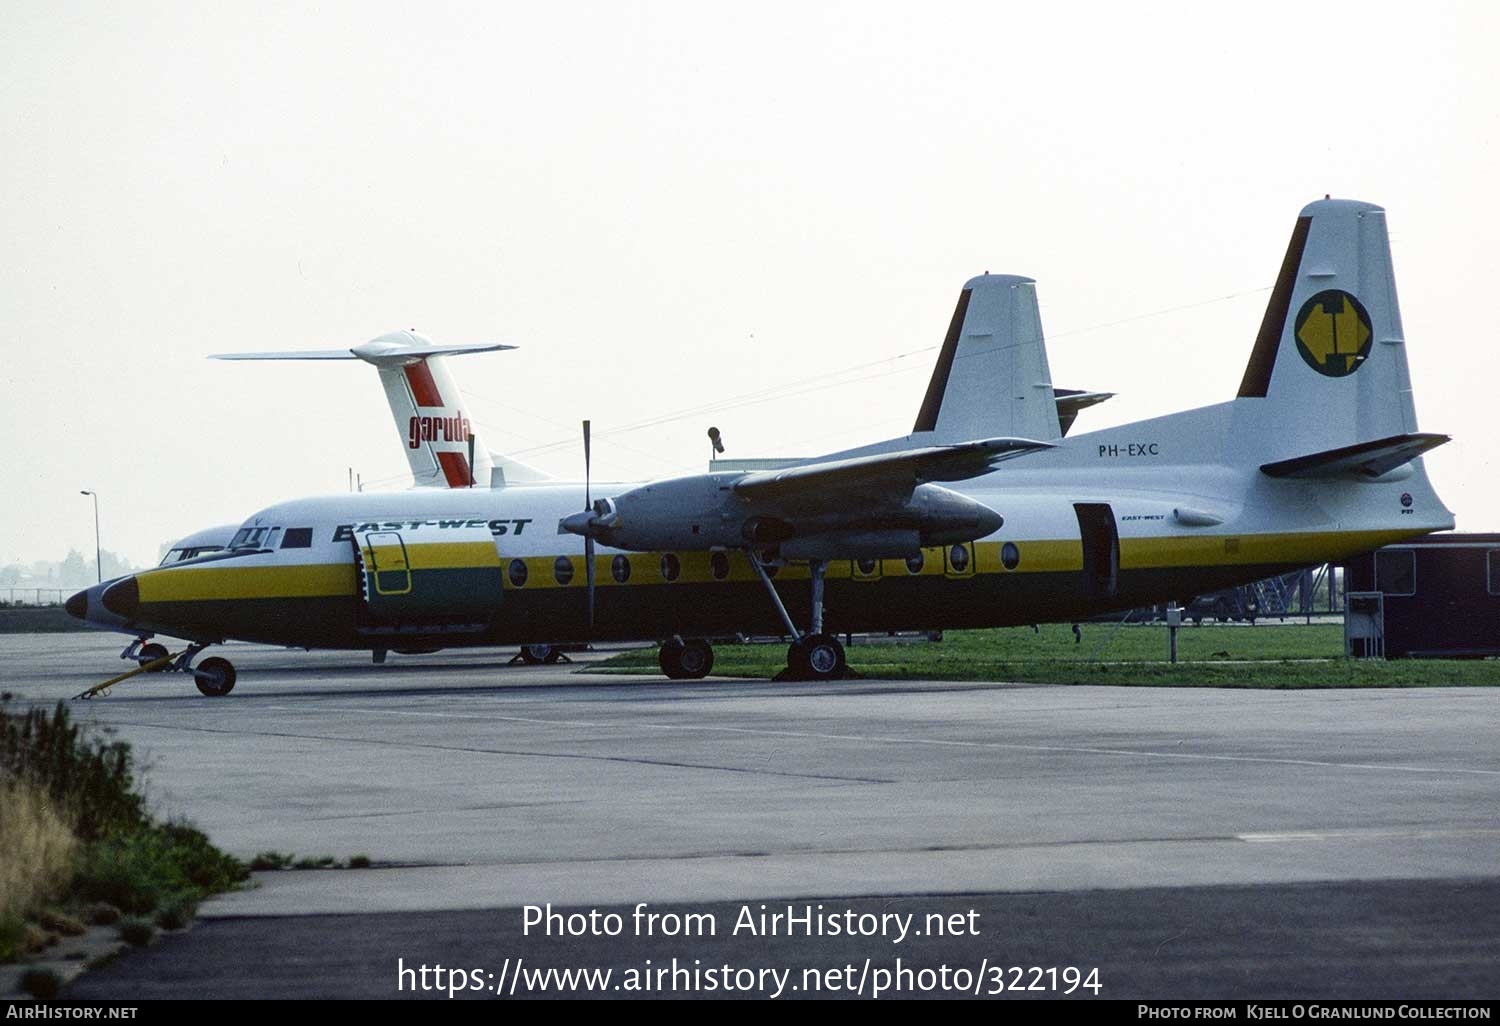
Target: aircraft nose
[(78, 606), (123, 597)]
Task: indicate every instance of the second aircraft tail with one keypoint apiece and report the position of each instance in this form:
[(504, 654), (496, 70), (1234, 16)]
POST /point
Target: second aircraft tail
[(436, 434)]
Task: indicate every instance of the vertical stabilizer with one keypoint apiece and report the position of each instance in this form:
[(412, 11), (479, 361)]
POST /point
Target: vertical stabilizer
[(1329, 364), (991, 377), (434, 427)]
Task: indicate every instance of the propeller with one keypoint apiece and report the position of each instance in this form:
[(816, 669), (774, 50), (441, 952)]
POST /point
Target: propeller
[(588, 539), (596, 520)]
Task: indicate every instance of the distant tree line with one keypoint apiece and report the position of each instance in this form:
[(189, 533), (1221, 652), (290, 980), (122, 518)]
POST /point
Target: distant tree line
[(73, 571)]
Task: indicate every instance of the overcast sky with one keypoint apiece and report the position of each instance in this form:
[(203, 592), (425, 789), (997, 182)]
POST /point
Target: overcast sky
[(674, 206)]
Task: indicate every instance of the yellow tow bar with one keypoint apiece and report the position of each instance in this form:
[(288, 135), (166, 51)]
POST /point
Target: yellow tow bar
[(103, 689)]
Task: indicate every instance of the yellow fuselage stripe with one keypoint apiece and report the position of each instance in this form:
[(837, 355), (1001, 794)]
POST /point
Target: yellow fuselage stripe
[(328, 580)]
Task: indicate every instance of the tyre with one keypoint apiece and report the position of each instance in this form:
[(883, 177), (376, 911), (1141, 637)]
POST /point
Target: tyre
[(150, 653), (695, 660), (821, 657), (669, 656), (535, 655), (214, 677)]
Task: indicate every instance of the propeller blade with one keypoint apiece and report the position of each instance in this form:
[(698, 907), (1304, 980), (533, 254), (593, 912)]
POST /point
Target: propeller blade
[(587, 497), (588, 570), (588, 539)]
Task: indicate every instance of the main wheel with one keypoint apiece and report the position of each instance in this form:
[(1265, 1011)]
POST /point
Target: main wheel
[(669, 656), (151, 653), (695, 660), (214, 677), (535, 655), (818, 657)]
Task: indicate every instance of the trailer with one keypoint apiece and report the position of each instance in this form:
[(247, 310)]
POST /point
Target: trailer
[(1433, 597)]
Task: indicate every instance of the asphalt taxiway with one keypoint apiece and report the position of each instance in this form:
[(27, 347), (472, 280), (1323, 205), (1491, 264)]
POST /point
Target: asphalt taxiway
[(1224, 842)]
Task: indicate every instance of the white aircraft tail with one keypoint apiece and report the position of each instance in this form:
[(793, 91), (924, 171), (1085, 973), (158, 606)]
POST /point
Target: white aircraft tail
[(1328, 378), (991, 377), (436, 433)]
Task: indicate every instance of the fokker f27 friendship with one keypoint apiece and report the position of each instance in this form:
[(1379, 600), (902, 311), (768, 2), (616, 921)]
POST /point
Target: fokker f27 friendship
[(985, 515)]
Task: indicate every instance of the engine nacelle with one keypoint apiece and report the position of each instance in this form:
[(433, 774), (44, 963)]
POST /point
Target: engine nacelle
[(704, 512), (895, 544)]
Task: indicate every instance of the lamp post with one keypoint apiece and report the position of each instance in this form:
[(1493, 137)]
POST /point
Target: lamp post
[(98, 553)]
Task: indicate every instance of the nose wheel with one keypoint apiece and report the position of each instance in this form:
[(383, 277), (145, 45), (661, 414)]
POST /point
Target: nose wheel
[(214, 676)]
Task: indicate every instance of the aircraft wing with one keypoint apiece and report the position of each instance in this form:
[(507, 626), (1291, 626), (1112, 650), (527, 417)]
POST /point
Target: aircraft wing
[(889, 472)]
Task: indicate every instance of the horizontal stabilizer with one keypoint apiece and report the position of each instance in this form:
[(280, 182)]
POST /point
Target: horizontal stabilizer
[(1365, 459), (889, 472), (1072, 401), (392, 350)]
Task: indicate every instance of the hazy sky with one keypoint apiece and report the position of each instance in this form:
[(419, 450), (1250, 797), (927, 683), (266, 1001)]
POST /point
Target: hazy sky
[(673, 206)]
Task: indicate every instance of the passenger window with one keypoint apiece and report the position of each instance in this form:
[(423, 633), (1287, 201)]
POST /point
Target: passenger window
[(1396, 572), (1010, 556), (297, 538), (958, 558), (671, 566)]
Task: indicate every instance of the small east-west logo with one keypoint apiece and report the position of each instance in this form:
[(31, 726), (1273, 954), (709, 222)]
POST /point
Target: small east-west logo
[(1406, 500), (1333, 333)]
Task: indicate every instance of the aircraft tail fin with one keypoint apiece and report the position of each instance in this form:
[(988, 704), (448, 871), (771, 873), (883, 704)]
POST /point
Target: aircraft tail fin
[(427, 407), (991, 376), (1329, 369)]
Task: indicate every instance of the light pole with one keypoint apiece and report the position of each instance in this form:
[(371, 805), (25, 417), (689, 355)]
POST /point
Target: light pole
[(98, 554)]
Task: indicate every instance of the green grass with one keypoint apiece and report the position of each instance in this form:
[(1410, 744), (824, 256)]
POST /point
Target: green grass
[(1266, 655), (119, 857)]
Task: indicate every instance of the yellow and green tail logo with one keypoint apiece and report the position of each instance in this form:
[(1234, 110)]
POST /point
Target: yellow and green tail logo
[(1333, 333)]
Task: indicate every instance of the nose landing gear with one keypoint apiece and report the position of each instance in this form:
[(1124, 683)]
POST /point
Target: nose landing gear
[(214, 676)]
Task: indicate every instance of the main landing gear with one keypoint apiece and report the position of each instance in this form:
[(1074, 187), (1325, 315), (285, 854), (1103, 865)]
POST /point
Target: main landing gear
[(535, 655), (813, 655), (686, 660)]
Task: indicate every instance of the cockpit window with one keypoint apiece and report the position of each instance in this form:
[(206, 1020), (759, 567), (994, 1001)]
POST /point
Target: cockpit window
[(191, 552), (297, 538), (255, 538)]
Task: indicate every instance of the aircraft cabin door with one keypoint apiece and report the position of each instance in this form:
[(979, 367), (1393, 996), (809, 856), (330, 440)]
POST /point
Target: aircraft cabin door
[(1101, 549), (387, 567), (447, 571)]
